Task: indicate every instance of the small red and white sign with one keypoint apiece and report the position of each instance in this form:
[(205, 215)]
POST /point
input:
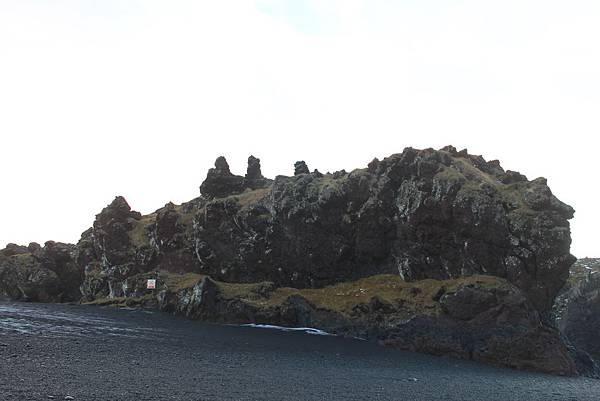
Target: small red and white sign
[(151, 285)]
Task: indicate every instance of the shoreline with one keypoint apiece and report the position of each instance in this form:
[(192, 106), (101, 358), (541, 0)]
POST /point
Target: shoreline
[(117, 354)]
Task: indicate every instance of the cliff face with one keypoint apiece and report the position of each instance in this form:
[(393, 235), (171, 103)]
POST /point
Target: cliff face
[(420, 214), (482, 318), (434, 251), (576, 314), (42, 274)]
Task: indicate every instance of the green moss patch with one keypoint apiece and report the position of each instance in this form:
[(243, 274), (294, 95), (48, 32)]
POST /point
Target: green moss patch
[(20, 260), (471, 179), (249, 197), (177, 282), (139, 235), (419, 296)]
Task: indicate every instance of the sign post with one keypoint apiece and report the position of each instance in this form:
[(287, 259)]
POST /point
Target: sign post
[(151, 284)]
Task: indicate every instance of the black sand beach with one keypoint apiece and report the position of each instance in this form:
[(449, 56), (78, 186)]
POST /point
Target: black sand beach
[(57, 352)]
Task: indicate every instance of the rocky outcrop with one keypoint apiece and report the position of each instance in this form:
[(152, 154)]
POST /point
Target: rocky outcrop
[(300, 167), (40, 274), (254, 178), (420, 214), (480, 318), (107, 252), (576, 314), (474, 254), (220, 182)]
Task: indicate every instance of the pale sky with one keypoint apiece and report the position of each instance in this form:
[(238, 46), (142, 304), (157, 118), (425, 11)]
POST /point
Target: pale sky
[(138, 98)]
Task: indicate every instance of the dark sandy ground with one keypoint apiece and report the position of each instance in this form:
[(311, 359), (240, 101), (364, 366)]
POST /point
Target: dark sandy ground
[(92, 353)]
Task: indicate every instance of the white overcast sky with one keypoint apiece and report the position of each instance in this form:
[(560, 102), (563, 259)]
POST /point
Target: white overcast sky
[(138, 98)]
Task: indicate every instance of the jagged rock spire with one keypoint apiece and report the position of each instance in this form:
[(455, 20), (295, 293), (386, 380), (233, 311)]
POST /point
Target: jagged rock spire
[(220, 181), (221, 165), (300, 167), (253, 172), (118, 210)]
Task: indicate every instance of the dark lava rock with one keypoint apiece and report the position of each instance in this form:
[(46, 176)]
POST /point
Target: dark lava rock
[(467, 302), (254, 178), (48, 274), (220, 182), (492, 325), (372, 166), (576, 314), (198, 302), (14, 249), (108, 251), (411, 217), (300, 167), (511, 177), (420, 214), (34, 248), (253, 172), (480, 318), (111, 231)]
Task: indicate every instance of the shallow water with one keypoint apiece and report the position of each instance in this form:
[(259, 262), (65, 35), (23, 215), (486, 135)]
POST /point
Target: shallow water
[(95, 353)]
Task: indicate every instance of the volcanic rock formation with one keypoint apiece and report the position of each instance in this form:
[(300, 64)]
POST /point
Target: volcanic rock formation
[(33, 273), (416, 220), (576, 314), (420, 214), (300, 167), (482, 318)]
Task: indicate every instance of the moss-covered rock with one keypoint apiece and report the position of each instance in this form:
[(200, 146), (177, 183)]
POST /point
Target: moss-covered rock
[(421, 214), (481, 318), (430, 250), (33, 273)]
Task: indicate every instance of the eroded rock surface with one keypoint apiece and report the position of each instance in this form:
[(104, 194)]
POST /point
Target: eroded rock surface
[(576, 314), (480, 318), (41, 274), (300, 167), (254, 178), (220, 181), (458, 256), (420, 214)]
